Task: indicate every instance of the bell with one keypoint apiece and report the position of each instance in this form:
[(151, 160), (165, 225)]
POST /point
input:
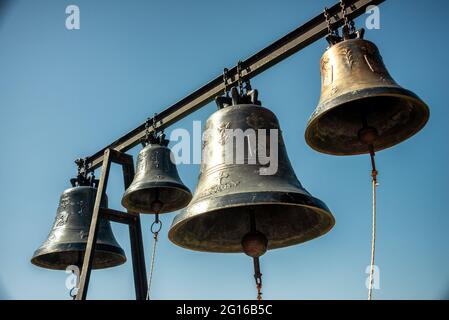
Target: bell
[(67, 240), (229, 195), (360, 104), (156, 187)]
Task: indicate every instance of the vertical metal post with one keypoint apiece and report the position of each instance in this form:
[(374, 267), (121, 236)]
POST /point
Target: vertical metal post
[(135, 236), (130, 218), (92, 238)]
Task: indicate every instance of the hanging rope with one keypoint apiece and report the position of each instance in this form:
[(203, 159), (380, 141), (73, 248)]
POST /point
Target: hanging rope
[(155, 233), (373, 237)]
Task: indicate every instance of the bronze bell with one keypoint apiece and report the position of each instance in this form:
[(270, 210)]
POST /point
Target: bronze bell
[(156, 187), (360, 103), (229, 195), (67, 240)]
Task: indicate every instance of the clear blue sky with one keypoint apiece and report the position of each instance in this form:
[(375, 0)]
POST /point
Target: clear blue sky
[(65, 94)]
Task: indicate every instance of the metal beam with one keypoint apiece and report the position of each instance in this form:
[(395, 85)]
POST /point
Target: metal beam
[(281, 49), (117, 216)]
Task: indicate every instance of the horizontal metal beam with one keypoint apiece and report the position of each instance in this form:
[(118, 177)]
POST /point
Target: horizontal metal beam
[(283, 48), (117, 216)]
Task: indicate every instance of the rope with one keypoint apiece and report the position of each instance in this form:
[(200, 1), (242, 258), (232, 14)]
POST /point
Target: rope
[(373, 236), (153, 254)]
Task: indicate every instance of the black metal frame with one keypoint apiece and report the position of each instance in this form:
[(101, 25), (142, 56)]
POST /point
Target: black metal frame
[(276, 52), (132, 219)]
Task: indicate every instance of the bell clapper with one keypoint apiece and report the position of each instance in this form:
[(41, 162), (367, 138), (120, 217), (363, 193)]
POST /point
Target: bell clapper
[(255, 244)]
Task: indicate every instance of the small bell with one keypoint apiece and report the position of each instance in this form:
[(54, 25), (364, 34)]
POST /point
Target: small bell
[(156, 187), (360, 103), (66, 243)]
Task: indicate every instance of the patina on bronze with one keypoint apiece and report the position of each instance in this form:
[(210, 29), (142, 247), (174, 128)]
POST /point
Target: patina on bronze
[(218, 217), (66, 243), (360, 103), (157, 187)]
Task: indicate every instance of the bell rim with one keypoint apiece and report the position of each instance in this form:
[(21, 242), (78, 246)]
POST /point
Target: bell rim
[(39, 254), (318, 207), (171, 185), (332, 105)]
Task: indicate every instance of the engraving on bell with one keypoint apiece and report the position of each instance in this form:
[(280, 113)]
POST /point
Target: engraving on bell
[(218, 217), (356, 88), (157, 187), (66, 243)]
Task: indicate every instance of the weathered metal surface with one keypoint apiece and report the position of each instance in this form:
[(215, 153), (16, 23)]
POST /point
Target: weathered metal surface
[(218, 217), (358, 92), (156, 180), (66, 243)]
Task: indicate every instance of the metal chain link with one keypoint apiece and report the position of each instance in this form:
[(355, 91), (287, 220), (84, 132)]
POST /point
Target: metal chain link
[(240, 80), (349, 23), (330, 29), (258, 278), (344, 13), (150, 134), (259, 287), (225, 80)]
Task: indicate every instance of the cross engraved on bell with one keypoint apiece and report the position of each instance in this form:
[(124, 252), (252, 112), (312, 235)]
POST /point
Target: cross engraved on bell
[(221, 186)]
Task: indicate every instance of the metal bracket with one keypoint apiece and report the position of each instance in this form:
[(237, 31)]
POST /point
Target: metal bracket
[(132, 219)]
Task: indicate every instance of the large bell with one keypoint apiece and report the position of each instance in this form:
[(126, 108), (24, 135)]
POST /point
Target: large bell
[(66, 243), (360, 103), (156, 187), (229, 195)]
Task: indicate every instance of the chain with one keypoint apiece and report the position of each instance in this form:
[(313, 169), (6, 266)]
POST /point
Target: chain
[(373, 236), (155, 233), (333, 35), (258, 278), (82, 178), (348, 23), (81, 164), (150, 135), (225, 81), (344, 13), (330, 29), (240, 80)]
